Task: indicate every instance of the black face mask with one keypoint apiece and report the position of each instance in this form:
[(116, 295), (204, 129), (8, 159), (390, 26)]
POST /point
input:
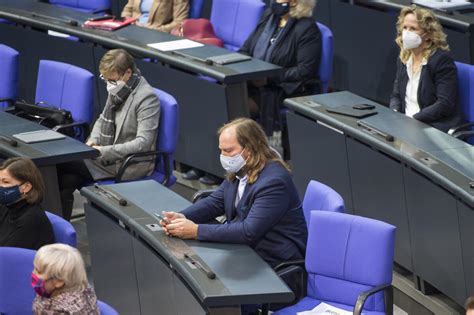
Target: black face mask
[(280, 9)]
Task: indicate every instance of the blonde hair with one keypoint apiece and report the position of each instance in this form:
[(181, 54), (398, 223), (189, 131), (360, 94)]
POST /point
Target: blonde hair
[(428, 23), (252, 138), (303, 8), (62, 262), (116, 61)]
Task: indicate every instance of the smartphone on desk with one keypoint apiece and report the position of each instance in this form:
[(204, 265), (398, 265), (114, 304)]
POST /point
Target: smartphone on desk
[(363, 106), (161, 218)]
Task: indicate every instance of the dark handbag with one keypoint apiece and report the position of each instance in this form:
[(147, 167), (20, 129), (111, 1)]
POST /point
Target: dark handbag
[(50, 117)]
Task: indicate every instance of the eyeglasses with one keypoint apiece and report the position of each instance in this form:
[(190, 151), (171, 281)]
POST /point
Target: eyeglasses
[(113, 82)]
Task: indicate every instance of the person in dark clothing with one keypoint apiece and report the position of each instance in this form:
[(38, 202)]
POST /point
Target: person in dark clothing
[(286, 36), (23, 223), (258, 198), (426, 83)]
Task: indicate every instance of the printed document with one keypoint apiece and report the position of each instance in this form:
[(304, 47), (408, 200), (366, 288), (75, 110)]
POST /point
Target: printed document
[(175, 45), (325, 309)]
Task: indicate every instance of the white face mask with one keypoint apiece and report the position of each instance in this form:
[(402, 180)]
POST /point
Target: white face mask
[(233, 164), (114, 88), (411, 40)]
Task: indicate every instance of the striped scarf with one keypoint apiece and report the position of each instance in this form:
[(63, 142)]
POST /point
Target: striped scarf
[(114, 103)]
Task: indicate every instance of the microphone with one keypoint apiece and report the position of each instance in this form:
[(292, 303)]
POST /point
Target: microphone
[(209, 274), (70, 22), (111, 195), (181, 54), (10, 141), (371, 129)]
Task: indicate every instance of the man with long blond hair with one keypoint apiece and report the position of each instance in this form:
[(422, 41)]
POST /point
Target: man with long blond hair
[(258, 199)]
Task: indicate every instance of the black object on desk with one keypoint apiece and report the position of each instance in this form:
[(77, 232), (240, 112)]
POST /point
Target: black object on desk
[(350, 111)]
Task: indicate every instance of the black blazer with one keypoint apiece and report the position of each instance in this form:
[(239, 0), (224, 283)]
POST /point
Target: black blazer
[(437, 92), (24, 225), (299, 52)]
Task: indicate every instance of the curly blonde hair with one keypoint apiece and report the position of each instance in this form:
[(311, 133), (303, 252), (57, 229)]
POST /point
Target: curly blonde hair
[(303, 8), (429, 24)]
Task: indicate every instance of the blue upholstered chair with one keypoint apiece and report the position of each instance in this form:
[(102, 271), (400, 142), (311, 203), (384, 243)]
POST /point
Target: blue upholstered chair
[(234, 20), (106, 309), (165, 146), (195, 8), (8, 75), (327, 56), (321, 197), (63, 231), (466, 99), (349, 263), (68, 87), (16, 294), (88, 6)]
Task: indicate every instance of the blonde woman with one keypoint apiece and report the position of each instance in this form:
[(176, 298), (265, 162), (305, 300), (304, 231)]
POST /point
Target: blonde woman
[(426, 84), (60, 282), (287, 36)]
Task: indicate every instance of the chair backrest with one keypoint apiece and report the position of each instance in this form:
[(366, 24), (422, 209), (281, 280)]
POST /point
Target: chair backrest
[(16, 294), (195, 8), (325, 65), (83, 5), (106, 309), (167, 130), (8, 74), (234, 20), (347, 255), (466, 89), (63, 231), (321, 197), (66, 86)]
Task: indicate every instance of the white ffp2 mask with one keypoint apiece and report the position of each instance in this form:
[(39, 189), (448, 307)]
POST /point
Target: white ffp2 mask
[(411, 40)]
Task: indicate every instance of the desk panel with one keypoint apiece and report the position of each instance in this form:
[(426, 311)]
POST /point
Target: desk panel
[(322, 158), (437, 255), (378, 192)]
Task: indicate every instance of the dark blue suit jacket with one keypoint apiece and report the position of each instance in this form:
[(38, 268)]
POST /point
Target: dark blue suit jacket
[(268, 217), (437, 92)]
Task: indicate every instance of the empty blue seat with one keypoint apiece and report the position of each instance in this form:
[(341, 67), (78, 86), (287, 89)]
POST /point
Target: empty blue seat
[(8, 75), (195, 8), (234, 20), (88, 6), (349, 262), (466, 100), (63, 231), (327, 56), (68, 87), (16, 294), (321, 197)]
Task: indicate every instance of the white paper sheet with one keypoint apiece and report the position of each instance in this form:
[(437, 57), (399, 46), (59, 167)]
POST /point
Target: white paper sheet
[(453, 4), (175, 45), (325, 309)]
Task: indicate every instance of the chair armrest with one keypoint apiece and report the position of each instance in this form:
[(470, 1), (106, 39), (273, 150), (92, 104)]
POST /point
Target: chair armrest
[(299, 262), (364, 295), (129, 159), (8, 100), (203, 193), (82, 124), (288, 269), (10, 109), (456, 129)]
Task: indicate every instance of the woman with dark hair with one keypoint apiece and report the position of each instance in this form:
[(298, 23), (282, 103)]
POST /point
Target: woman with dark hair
[(22, 221), (286, 36)]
